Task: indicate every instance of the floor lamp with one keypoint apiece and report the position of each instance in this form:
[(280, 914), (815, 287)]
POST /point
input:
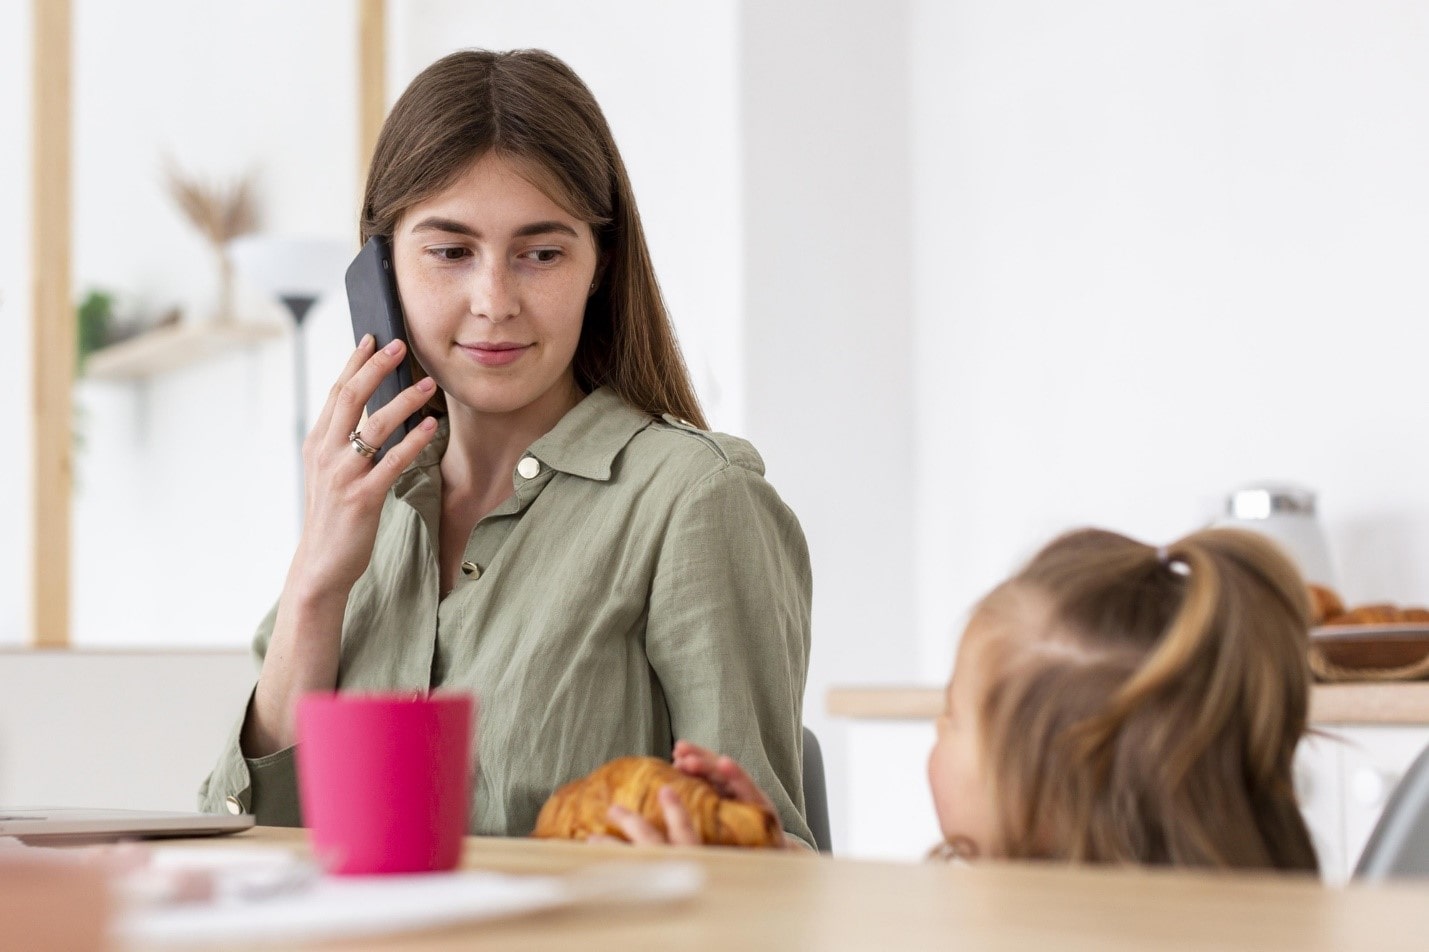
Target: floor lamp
[(296, 271)]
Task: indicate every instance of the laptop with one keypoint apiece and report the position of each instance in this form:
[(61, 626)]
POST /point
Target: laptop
[(53, 825)]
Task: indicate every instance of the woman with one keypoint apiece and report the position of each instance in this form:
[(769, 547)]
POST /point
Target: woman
[(560, 537)]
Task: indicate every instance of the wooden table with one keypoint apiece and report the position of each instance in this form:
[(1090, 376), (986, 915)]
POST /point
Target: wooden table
[(1360, 703), (800, 901)]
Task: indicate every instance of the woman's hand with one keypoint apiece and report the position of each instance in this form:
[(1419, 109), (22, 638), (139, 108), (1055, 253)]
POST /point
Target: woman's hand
[(344, 489), (344, 495), (723, 773)]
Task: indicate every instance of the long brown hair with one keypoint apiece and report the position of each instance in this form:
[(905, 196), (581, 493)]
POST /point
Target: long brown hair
[(529, 106), (1144, 705)]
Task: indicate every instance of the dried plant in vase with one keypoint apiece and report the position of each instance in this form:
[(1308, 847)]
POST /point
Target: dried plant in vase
[(221, 212)]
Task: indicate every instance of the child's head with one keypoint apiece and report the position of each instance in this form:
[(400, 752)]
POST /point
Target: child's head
[(1117, 703)]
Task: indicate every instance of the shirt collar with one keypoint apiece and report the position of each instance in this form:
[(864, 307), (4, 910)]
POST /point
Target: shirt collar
[(589, 438), (584, 443)]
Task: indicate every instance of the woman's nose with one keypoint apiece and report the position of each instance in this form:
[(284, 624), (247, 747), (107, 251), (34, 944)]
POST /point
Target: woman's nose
[(493, 293)]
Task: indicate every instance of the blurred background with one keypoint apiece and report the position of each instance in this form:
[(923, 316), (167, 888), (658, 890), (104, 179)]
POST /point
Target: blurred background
[(967, 272)]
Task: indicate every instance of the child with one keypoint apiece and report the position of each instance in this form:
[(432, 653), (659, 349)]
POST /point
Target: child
[(1116, 703)]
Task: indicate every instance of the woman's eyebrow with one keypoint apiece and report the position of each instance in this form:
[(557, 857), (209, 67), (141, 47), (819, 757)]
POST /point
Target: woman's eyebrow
[(454, 227), (448, 225), (546, 228)]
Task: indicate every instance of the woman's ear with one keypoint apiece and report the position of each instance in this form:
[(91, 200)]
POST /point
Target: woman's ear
[(600, 264)]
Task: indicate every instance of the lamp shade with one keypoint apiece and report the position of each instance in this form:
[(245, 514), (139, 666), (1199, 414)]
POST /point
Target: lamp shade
[(291, 267), (297, 271)]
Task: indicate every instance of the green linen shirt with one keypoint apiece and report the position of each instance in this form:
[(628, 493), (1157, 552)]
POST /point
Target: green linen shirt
[(646, 584)]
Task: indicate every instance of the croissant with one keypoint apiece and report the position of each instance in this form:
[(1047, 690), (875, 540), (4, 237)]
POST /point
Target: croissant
[(578, 809), (1324, 603), (1380, 614)]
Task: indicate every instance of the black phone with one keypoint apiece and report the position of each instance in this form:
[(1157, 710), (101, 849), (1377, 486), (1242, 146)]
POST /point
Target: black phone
[(377, 310)]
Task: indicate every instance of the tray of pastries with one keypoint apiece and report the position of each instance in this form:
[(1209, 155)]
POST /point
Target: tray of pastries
[(1375, 642)]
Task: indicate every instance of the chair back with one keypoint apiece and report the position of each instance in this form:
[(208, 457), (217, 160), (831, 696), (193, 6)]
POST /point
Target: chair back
[(1399, 845), (816, 793)]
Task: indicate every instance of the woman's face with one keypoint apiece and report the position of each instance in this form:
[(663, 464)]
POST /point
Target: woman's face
[(494, 278), (957, 767)]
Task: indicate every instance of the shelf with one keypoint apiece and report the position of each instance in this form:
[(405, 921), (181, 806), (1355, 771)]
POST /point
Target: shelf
[(1401, 702), (168, 348)]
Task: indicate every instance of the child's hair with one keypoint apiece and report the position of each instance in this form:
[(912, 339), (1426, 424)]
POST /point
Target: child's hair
[(1144, 705)]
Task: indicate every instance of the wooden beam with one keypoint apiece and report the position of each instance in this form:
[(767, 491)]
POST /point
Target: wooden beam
[(371, 82), (53, 336)]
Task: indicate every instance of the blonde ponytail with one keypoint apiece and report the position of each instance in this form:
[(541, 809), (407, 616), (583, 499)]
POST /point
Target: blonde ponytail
[(1152, 712)]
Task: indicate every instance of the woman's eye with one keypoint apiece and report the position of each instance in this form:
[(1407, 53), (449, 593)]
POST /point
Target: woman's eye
[(448, 254), (545, 255)]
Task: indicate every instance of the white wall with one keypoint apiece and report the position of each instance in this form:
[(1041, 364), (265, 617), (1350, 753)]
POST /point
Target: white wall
[(829, 329), (1162, 249), (262, 87), (15, 357), (186, 489)]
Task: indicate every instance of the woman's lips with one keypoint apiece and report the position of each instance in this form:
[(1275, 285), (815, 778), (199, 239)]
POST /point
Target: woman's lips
[(496, 355)]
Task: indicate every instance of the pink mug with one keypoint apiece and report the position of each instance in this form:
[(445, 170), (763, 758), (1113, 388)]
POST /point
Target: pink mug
[(383, 779)]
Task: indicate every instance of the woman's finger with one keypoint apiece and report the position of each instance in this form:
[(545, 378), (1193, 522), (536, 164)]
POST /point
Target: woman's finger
[(352, 395), (399, 457), (685, 748), (358, 358), (381, 425), (723, 772), (732, 778), (678, 825), (636, 828), (694, 759)]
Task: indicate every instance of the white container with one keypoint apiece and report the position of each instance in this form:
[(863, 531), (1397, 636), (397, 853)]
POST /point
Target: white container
[(1285, 513)]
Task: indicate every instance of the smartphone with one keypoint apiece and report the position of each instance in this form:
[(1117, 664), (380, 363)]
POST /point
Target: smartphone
[(377, 310)]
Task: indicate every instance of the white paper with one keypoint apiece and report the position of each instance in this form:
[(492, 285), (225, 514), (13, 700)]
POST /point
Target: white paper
[(311, 908)]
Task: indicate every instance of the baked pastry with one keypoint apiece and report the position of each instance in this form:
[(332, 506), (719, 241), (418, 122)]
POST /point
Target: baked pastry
[(578, 809), (1380, 614), (1324, 603)]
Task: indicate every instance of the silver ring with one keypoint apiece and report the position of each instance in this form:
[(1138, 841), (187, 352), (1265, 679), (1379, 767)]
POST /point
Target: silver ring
[(360, 446)]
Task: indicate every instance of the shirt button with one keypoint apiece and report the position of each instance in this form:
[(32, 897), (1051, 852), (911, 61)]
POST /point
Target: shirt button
[(529, 468), (471, 569), (233, 805)]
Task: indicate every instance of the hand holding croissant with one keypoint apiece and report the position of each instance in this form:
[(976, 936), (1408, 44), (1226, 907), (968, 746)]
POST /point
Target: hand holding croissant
[(699, 799)]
